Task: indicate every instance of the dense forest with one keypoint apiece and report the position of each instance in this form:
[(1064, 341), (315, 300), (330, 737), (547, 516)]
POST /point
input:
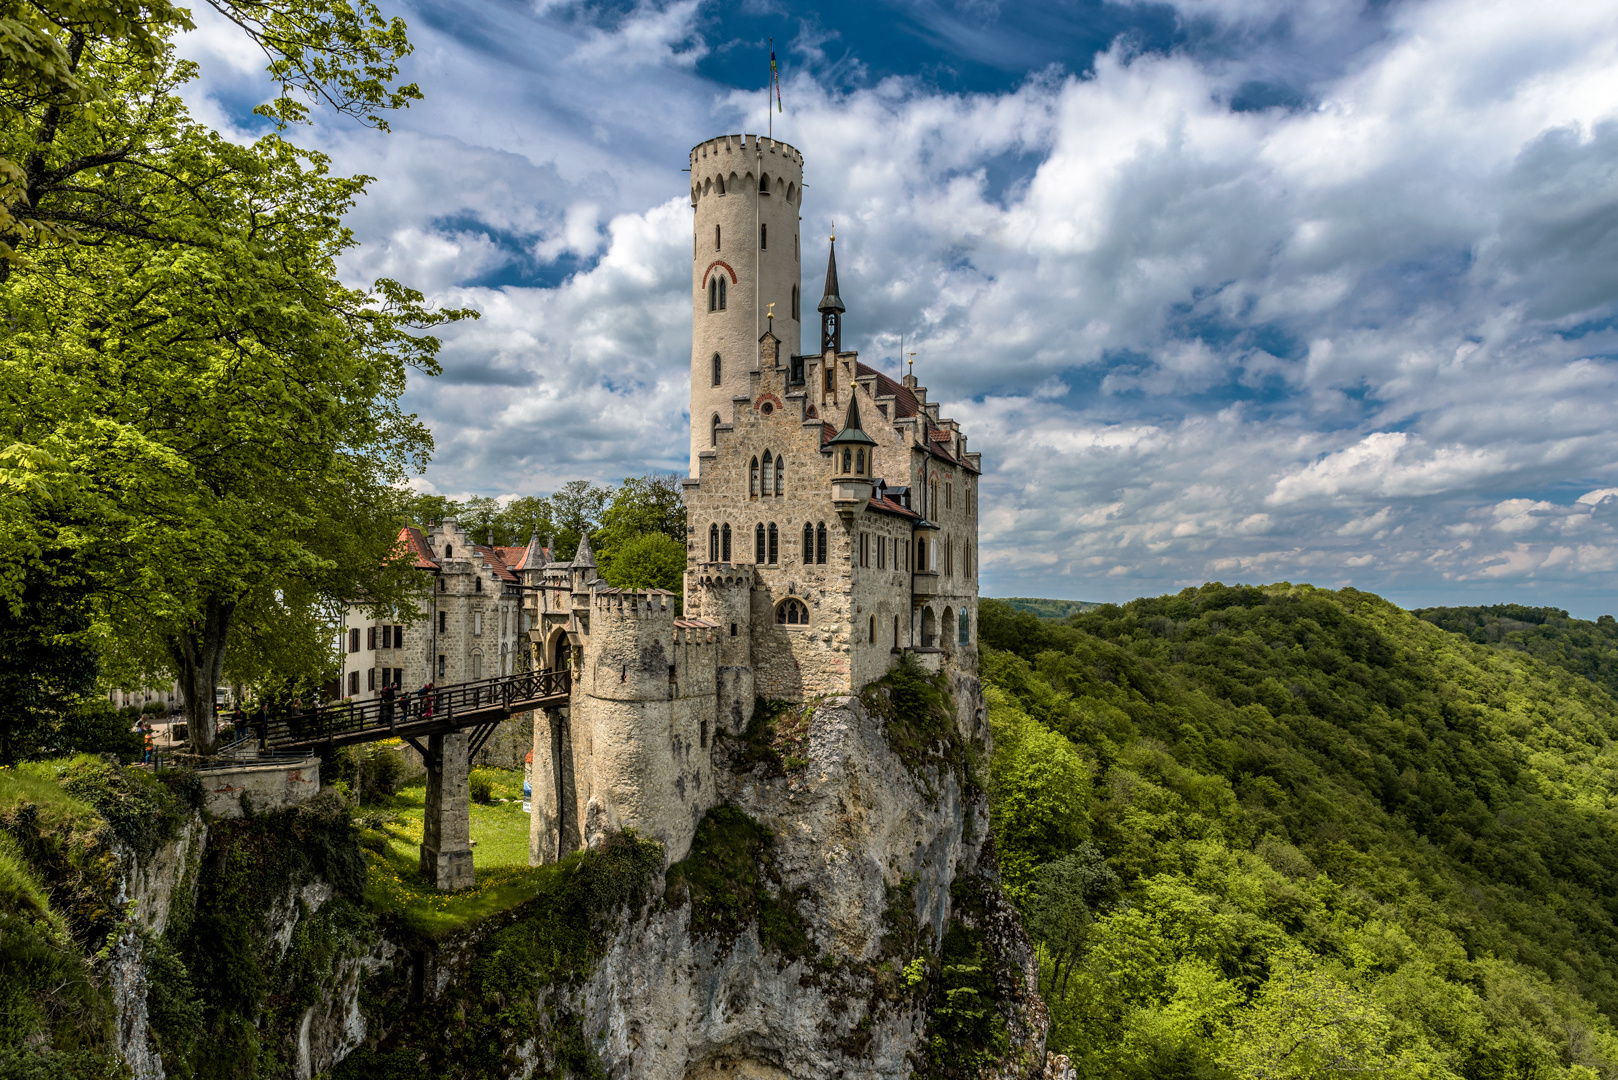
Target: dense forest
[(1579, 645), (1287, 832)]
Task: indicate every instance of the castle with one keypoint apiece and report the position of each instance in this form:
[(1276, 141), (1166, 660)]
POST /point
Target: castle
[(831, 526)]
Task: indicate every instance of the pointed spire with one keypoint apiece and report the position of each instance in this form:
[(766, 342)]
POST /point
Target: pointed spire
[(534, 557), (852, 432), (584, 557), (832, 301)]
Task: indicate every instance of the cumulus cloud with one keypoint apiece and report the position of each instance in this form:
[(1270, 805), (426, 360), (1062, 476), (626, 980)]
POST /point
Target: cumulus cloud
[(1364, 335)]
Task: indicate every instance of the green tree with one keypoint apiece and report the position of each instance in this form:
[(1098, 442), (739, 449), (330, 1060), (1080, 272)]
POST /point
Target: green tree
[(1067, 894), (230, 407)]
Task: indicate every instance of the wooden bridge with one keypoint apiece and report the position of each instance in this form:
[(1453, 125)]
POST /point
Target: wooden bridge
[(478, 706)]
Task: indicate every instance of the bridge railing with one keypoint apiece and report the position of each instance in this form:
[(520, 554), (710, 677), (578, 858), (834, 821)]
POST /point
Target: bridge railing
[(440, 706)]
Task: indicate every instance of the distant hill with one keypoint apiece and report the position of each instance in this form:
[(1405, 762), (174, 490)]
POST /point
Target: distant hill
[(1048, 609), (1577, 645), (1290, 832)]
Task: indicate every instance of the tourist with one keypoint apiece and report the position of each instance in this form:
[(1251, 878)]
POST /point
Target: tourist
[(387, 704), (148, 740)]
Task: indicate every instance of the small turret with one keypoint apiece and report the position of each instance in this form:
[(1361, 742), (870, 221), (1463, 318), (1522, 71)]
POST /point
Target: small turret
[(852, 460), (831, 307), (583, 566)]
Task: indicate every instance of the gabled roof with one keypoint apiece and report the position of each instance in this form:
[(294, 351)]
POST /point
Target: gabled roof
[(893, 506), (904, 402), (415, 544), (492, 559)]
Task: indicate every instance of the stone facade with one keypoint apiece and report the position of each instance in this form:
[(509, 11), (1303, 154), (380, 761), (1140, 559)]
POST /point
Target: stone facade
[(831, 526)]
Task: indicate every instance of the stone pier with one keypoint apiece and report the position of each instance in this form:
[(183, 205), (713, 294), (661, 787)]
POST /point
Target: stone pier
[(446, 835)]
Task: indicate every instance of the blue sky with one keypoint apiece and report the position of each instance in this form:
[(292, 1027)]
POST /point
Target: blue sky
[(1240, 290)]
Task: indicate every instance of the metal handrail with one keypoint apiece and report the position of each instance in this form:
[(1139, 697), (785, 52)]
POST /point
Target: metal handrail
[(448, 707)]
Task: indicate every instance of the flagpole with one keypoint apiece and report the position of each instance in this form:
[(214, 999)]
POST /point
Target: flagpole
[(769, 85)]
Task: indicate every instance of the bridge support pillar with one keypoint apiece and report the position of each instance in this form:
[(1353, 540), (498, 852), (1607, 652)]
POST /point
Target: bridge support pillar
[(553, 830), (446, 838)]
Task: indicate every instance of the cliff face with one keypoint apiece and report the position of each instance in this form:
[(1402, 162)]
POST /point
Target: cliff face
[(839, 915)]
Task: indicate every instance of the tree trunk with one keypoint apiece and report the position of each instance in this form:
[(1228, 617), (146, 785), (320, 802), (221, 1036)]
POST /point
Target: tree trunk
[(199, 659)]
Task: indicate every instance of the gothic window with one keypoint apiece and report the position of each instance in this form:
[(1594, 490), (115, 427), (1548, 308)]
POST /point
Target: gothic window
[(949, 557), (763, 237), (847, 459), (768, 472), (721, 292), (791, 612), (719, 187), (758, 544), (966, 635), (859, 462), (808, 543), (752, 479), (724, 543), (764, 184), (780, 476), (775, 545), (792, 190), (713, 293), (795, 314), (820, 542), (718, 370), (713, 543), (448, 551)]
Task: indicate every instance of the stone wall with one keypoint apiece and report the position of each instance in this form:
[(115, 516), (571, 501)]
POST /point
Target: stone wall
[(273, 785)]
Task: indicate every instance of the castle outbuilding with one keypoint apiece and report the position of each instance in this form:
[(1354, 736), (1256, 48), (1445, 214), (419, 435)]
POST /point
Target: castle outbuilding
[(831, 527)]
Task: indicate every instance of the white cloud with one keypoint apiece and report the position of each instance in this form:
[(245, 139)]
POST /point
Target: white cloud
[(1190, 342)]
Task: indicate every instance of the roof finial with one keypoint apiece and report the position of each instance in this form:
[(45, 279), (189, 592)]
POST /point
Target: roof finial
[(912, 370)]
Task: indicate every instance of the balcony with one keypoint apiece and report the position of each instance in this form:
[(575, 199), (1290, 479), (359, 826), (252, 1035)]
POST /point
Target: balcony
[(924, 584)]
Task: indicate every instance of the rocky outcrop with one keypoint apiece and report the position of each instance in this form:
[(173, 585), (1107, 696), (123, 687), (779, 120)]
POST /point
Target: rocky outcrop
[(866, 851), (148, 889)]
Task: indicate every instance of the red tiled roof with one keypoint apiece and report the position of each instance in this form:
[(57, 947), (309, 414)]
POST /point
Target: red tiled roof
[(512, 556), (904, 403), (416, 544), (492, 559), (892, 506), (827, 433)]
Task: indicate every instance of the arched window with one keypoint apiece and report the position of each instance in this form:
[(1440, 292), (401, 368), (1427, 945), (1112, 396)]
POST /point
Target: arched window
[(820, 542), (764, 183), (713, 543), (763, 237), (780, 476), (713, 431), (928, 625), (724, 542), (966, 634), (759, 554), (752, 479), (721, 292), (808, 543), (791, 612), (719, 187), (859, 461), (718, 369), (848, 458), (768, 472), (795, 314), (713, 294), (871, 636), (775, 545)]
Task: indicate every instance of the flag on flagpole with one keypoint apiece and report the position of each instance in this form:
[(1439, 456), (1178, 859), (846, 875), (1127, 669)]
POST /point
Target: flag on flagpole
[(775, 77)]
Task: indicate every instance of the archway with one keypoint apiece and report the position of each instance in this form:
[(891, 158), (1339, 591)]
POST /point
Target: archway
[(929, 628)]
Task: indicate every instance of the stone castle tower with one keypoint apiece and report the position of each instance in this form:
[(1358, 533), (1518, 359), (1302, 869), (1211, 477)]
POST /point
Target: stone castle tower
[(831, 528), (745, 259)]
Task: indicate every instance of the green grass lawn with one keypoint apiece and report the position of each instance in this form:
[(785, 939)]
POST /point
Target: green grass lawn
[(499, 857)]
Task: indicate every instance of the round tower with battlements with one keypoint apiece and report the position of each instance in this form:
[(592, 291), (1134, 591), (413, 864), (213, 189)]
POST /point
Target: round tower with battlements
[(746, 256)]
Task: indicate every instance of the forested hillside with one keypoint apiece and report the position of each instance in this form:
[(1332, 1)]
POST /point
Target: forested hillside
[(1583, 647), (1286, 832)]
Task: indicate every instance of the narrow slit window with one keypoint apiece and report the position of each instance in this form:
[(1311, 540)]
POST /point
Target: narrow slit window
[(780, 476), (763, 237), (758, 544), (724, 543), (713, 543), (808, 543), (774, 544), (820, 542), (716, 245), (718, 370)]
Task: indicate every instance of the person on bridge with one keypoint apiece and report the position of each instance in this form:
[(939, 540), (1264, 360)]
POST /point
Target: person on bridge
[(428, 697), (387, 704)]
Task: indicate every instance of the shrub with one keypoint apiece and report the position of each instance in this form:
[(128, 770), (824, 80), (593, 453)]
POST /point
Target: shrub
[(142, 811), (481, 784)]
